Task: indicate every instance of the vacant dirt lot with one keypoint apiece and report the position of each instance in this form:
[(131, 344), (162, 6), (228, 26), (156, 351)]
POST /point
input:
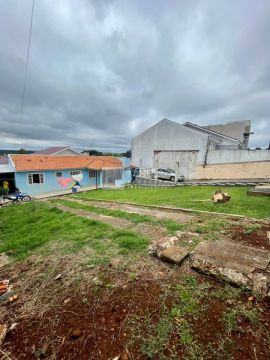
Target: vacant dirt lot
[(92, 291)]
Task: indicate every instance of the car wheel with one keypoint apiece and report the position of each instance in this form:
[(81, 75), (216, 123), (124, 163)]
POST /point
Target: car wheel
[(172, 178)]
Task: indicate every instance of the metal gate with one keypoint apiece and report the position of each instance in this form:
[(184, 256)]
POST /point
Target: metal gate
[(110, 176)]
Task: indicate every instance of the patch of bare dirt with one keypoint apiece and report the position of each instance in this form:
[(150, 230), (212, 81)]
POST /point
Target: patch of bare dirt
[(165, 215), (256, 238), (110, 220), (92, 322), (154, 233)]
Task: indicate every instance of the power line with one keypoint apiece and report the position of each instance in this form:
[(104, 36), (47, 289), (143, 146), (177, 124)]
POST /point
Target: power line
[(27, 61)]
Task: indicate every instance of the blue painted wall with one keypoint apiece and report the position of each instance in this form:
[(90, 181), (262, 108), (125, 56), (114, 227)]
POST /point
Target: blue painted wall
[(50, 181), (51, 184), (126, 178)]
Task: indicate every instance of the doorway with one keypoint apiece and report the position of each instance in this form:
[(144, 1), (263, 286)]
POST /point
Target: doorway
[(10, 178)]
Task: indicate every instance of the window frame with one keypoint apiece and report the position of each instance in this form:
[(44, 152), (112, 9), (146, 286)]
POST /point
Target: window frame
[(76, 172), (40, 174), (94, 171), (59, 172)]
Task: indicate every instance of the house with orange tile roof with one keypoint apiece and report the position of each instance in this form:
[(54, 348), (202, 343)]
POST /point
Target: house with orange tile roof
[(40, 174)]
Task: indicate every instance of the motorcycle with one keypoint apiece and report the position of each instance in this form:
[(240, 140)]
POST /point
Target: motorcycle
[(19, 196)]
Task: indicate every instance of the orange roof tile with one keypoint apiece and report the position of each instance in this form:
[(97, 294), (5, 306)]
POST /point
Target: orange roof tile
[(52, 162)]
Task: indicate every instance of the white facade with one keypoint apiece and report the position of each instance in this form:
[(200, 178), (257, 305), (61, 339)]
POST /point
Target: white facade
[(169, 136), (6, 168), (237, 156), (195, 152), (217, 141), (236, 129), (67, 152), (184, 162)]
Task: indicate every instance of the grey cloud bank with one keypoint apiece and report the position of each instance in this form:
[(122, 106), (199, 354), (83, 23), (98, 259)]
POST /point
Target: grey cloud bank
[(100, 72)]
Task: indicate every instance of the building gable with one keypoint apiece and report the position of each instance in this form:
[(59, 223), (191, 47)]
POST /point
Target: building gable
[(165, 135), (211, 133), (59, 151), (168, 124)]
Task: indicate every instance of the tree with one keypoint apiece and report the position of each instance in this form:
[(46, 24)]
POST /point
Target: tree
[(23, 151), (126, 154), (93, 152)]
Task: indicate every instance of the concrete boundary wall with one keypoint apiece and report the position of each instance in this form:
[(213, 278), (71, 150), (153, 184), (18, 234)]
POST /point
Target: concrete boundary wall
[(247, 170), (236, 156)]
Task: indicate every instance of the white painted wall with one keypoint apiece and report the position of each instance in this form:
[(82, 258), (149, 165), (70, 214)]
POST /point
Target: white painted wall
[(187, 161), (244, 170), (243, 163), (166, 135), (6, 168), (236, 156), (67, 152)]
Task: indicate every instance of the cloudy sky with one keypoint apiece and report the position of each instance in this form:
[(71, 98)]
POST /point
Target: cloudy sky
[(101, 71)]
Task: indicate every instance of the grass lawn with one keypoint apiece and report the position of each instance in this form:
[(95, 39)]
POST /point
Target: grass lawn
[(170, 225), (189, 197), (104, 295), (27, 227)]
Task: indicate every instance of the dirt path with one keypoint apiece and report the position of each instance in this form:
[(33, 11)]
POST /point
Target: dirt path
[(110, 220), (166, 215), (154, 233)]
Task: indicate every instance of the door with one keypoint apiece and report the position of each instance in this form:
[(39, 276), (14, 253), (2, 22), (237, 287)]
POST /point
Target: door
[(108, 178)]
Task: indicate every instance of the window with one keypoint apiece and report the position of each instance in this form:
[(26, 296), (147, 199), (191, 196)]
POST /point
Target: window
[(37, 178), (118, 174), (59, 174), (92, 174), (75, 172)]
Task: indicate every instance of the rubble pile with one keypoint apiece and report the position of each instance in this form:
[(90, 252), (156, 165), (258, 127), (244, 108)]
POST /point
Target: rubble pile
[(220, 197), (7, 296)]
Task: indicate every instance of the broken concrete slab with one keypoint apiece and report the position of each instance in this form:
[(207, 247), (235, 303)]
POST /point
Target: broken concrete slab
[(235, 263), (260, 282), (225, 251), (174, 254)]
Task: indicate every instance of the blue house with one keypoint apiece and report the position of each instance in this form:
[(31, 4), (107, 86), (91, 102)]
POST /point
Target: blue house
[(37, 174)]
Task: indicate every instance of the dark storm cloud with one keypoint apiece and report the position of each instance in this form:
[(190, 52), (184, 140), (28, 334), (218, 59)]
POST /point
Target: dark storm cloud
[(102, 71)]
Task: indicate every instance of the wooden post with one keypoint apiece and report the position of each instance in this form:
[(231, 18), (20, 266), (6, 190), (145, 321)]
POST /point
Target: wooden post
[(177, 172)]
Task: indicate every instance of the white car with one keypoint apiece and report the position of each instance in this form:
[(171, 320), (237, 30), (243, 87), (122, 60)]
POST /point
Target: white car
[(167, 174)]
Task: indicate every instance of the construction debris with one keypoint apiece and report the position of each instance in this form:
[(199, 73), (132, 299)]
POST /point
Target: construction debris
[(5, 290), (13, 298), (6, 293), (263, 190), (12, 327), (3, 332), (174, 254), (220, 196), (234, 263), (3, 286), (58, 277)]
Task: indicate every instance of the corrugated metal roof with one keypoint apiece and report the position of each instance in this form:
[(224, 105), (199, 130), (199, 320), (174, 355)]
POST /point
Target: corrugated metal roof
[(3, 160)]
